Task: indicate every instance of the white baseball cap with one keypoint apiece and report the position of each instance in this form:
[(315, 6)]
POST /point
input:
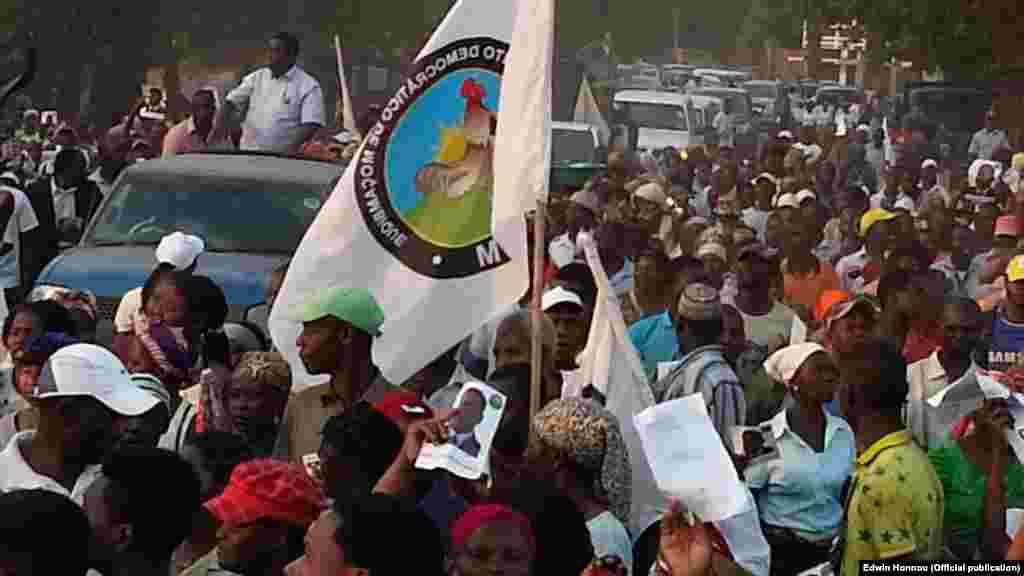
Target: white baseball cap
[(559, 295), (929, 162), (94, 371), (785, 134), (179, 250)]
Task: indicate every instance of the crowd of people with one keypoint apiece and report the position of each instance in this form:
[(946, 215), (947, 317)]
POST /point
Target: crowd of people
[(853, 309)]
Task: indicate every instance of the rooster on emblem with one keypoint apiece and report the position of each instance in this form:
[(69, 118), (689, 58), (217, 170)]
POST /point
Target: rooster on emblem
[(455, 188)]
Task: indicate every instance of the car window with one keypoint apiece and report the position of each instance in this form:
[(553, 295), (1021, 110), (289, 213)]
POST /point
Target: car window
[(657, 116), (230, 215), (572, 146)]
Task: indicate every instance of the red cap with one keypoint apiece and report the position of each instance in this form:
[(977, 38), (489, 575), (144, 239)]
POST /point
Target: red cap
[(400, 404), (267, 489)]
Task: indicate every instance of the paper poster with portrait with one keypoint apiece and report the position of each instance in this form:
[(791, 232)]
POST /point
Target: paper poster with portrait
[(470, 433)]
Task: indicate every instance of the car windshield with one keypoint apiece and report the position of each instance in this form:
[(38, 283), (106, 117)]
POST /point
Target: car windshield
[(737, 102), (230, 215), (572, 146), (638, 81), (957, 110), (657, 116), (769, 91)]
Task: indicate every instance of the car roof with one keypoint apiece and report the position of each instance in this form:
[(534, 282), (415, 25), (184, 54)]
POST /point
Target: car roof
[(719, 90), (763, 82), (242, 166), (650, 97), (572, 126), (720, 72)]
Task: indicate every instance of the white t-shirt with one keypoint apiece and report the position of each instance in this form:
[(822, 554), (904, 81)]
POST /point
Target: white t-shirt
[(610, 538), (277, 107), (128, 311), (22, 220), (16, 474)]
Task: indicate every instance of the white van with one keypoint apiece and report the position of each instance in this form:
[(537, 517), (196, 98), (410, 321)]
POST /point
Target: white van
[(662, 118)]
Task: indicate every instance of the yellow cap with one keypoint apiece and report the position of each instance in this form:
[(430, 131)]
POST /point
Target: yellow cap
[(1015, 269), (872, 217)]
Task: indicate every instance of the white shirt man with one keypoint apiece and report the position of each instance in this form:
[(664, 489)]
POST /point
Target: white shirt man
[(277, 108), (986, 141), (22, 220), (930, 424), (80, 370)]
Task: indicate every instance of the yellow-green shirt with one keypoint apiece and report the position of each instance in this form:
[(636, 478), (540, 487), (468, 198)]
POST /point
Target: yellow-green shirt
[(895, 505)]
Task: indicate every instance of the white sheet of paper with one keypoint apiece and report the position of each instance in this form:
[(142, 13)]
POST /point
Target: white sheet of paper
[(1014, 517), (678, 438), (455, 459), (798, 334), (665, 367)]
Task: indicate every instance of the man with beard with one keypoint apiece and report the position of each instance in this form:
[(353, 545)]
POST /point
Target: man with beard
[(81, 390)]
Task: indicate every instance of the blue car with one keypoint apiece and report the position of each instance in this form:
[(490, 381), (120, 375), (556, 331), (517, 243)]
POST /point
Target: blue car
[(251, 210)]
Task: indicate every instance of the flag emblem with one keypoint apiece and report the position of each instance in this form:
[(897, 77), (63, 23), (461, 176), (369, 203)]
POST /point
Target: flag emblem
[(425, 174)]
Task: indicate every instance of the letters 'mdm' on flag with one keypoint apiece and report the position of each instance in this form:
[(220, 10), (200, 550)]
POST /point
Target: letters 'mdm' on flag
[(420, 217)]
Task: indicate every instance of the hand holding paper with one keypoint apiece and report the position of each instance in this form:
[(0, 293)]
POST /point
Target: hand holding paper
[(679, 439)]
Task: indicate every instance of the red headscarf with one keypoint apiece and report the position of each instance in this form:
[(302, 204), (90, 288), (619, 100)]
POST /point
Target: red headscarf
[(480, 516)]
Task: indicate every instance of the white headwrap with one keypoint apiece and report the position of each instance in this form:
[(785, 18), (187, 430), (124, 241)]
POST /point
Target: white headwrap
[(784, 364), (972, 172)]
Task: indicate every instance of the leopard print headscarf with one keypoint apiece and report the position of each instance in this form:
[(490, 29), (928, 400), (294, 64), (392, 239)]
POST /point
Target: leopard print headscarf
[(589, 435)]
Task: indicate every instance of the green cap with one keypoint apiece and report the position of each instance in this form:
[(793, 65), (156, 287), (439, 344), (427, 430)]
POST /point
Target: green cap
[(357, 306)]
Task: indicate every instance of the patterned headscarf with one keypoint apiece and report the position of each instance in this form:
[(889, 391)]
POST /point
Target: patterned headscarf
[(167, 349), (589, 435)]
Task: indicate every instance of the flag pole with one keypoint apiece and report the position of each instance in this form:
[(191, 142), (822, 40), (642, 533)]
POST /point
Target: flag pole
[(537, 335)]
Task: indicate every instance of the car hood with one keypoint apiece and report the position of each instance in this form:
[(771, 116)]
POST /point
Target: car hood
[(110, 271)]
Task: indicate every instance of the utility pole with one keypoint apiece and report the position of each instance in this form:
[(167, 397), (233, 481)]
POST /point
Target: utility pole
[(675, 28)]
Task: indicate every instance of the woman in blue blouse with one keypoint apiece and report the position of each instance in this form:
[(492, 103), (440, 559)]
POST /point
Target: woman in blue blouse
[(806, 458)]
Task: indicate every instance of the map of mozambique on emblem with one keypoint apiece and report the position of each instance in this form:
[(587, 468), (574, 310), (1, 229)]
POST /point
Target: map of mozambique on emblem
[(425, 177)]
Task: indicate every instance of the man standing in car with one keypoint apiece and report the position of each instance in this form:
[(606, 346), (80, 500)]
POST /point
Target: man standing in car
[(285, 104)]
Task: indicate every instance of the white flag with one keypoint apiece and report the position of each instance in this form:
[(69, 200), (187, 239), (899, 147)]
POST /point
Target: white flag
[(611, 364), (348, 119), (588, 112), (421, 216)]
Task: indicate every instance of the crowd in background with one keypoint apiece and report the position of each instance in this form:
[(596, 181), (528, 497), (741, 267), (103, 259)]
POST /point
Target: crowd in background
[(851, 302)]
